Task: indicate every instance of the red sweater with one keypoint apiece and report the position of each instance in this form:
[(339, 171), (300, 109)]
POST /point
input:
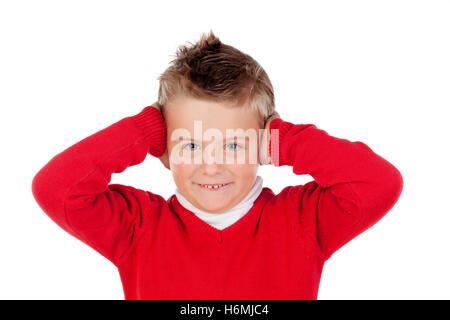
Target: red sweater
[(163, 251)]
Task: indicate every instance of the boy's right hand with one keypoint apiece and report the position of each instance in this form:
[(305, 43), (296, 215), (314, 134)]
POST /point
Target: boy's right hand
[(165, 157)]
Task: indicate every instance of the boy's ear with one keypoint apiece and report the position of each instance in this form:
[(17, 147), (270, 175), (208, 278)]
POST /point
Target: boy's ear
[(265, 140), (165, 159)]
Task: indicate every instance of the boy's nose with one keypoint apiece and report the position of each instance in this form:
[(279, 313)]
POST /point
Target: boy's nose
[(212, 169), (213, 164)]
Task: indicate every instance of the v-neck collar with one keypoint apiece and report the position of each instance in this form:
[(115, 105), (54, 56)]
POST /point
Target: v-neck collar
[(232, 229)]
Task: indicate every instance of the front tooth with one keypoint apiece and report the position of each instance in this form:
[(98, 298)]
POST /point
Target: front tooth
[(215, 186)]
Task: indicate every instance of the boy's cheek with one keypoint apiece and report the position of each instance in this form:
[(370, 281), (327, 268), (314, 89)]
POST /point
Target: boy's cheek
[(182, 170)]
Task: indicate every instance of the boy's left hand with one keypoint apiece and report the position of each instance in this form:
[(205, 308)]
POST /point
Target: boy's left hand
[(264, 156)]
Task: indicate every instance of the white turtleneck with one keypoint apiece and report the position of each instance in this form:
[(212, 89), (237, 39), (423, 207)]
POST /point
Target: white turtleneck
[(224, 219)]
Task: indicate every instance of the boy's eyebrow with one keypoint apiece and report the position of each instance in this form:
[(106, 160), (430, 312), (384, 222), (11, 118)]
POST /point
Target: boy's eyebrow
[(189, 139), (230, 138), (238, 137)]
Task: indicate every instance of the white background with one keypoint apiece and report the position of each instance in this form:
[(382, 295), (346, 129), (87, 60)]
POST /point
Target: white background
[(372, 71)]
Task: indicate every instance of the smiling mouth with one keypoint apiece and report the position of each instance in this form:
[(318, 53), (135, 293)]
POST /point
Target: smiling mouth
[(214, 187)]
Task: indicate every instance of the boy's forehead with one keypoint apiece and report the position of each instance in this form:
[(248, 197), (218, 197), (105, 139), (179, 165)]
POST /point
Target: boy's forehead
[(189, 113), (198, 129)]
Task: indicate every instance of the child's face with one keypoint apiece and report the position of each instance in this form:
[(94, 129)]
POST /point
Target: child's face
[(221, 157)]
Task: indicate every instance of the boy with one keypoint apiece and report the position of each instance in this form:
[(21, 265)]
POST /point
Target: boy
[(221, 235)]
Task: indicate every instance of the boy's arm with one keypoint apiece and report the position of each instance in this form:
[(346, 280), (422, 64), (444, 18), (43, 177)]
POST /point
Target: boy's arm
[(353, 187), (73, 187)]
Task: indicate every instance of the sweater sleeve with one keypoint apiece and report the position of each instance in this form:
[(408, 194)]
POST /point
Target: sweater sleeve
[(73, 187), (353, 187)]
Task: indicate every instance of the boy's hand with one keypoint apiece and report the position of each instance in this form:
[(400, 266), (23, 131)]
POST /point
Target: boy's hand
[(165, 157), (264, 157)]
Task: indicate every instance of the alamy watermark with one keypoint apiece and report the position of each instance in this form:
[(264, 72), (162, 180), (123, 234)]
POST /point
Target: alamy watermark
[(244, 142)]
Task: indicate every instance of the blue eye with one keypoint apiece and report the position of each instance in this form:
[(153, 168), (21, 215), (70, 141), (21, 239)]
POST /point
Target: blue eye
[(190, 144), (234, 144)]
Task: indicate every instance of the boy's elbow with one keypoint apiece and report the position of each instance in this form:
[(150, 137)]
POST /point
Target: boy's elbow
[(378, 204), (36, 186), (40, 191), (391, 191), (396, 185), (44, 193)]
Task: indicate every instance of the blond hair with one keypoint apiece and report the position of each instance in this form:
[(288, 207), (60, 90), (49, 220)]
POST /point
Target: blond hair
[(212, 70)]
